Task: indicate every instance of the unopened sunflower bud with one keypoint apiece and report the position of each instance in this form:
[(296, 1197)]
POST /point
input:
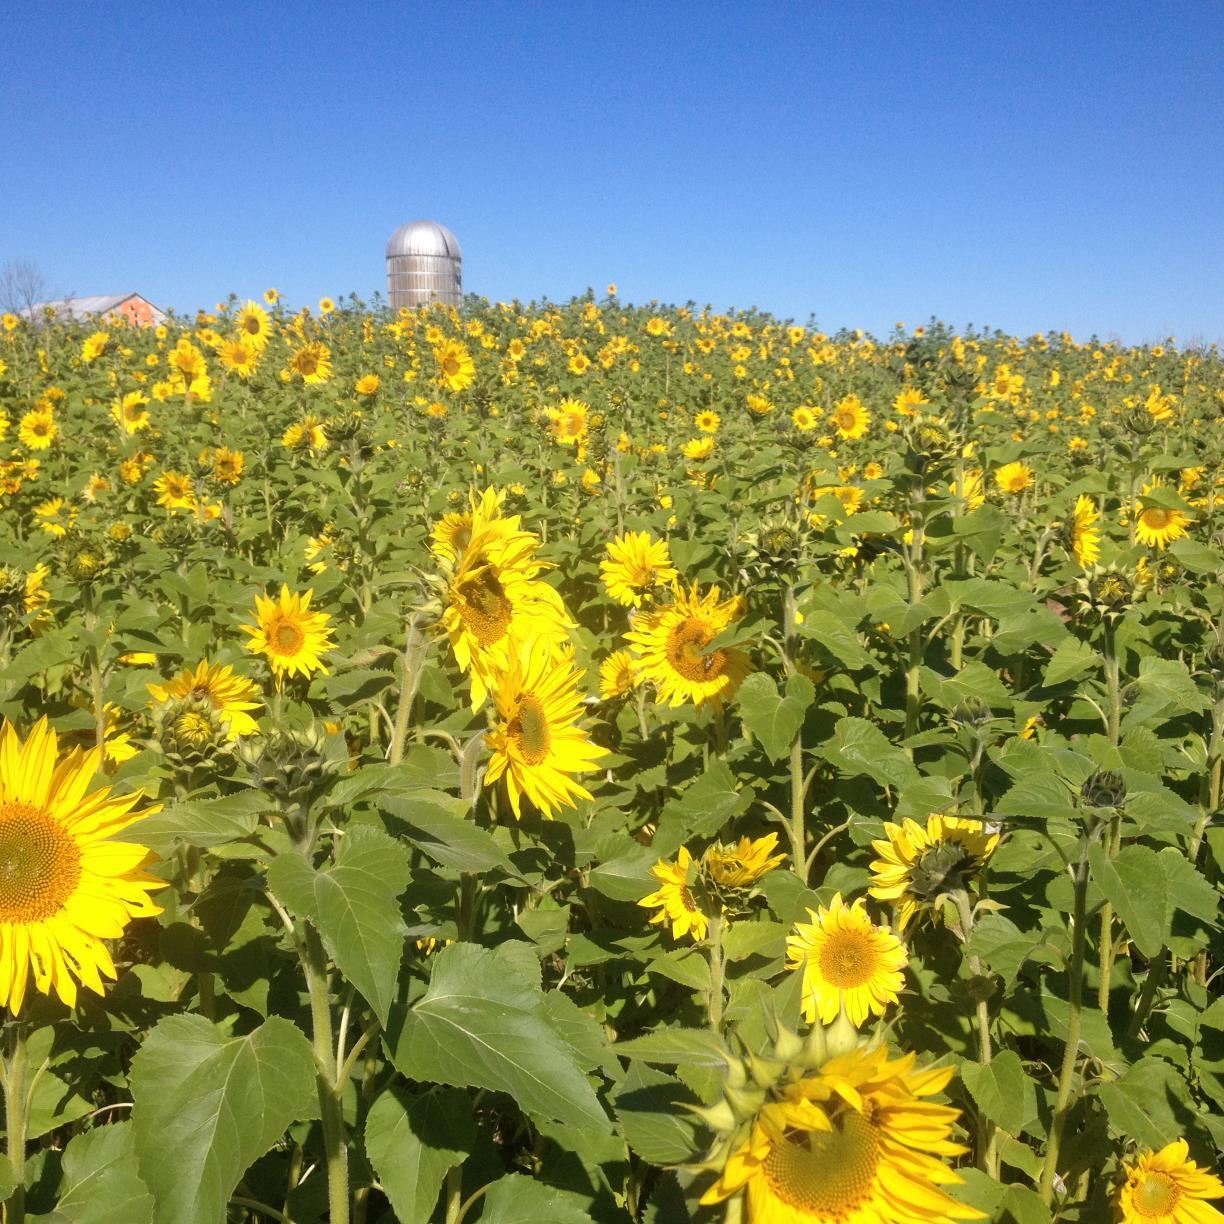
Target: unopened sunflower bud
[(972, 712), (1105, 789)]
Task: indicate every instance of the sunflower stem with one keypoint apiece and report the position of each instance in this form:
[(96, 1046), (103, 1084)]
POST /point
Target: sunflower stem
[(410, 680), (1113, 837), (714, 950), (798, 787), (15, 1102), (988, 1135), (330, 1086), (1075, 991)]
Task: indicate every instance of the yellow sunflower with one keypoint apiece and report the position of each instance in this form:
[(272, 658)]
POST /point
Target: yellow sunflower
[(38, 430), (675, 899), (670, 649), (568, 421), (368, 385), (64, 885), (1014, 477), (175, 491), (306, 434), (456, 369), (231, 695), (291, 636), (918, 865), (707, 421), (803, 419), (1085, 535), (94, 346), (847, 962), (239, 356), (616, 675), (55, 516), (452, 533), (742, 864), (254, 325), (495, 602), (970, 489), (1166, 1187), (538, 743), (129, 412), (311, 363), (636, 566), (852, 1143), (1156, 526), (850, 417)]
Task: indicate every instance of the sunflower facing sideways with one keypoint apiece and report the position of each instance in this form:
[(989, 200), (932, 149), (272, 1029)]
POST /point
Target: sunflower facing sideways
[(1166, 1187), (918, 865), (670, 649), (675, 898), (64, 885), (636, 566), (849, 1142), (1085, 534), (538, 744), (232, 696), (292, 638), (847, 963)]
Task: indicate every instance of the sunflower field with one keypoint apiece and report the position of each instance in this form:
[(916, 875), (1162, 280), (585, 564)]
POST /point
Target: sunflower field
[(539, 764)]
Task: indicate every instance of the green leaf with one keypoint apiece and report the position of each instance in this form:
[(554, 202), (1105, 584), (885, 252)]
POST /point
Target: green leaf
[(1023, 1206), (412, 1142), (207, 1106), (101, 1181), (1189, 891), (860, 747), (650, 1108), (836, 638), (1149, 1103), (353, 903), (517, 1199), (704, 809), (675, 1046), (1071, 660), (1002, 1090), (773, 719), (203, 822), (438, 824), (8, 1179), (1135, 883), (480, 1025)]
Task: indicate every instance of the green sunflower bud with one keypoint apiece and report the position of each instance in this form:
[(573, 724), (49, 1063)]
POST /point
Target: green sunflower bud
[(1106, 788)]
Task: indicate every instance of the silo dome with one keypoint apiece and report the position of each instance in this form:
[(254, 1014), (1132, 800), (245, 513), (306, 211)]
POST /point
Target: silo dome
[(424, 265)]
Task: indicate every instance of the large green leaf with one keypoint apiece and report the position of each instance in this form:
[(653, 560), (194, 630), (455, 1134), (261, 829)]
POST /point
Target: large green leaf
[(101, 1181), (353, 903), (693, 1047), (703, 810), (438, 825), (860, 747), (481, 1025), (203, 822), (207, 1106), (651, 1109), (1150, 1103), (834, 636), (1136, 884), (517, 1199), (1002, 1090), (774, 719), (412, 1141)]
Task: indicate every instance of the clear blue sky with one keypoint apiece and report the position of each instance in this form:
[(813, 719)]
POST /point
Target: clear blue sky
[(1027, 166)]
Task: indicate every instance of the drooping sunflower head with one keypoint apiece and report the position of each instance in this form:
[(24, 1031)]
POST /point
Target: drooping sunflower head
[(1167, 1187), (672, 649), (919, 864), (291, 637), (539, 743), (682, 901), (1085, 535), (741, 864), (637, 565), (847, 963), (65, 885), (835, 1138)]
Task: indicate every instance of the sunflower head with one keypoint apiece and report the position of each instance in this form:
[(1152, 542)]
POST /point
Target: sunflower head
[(1167, 1187), (190, 731), (294, 764), (1106, 788), (833, 1129), (12, 592)]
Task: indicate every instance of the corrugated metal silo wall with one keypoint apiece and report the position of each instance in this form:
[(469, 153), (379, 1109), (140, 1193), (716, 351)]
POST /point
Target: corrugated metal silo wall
[(414, 280)]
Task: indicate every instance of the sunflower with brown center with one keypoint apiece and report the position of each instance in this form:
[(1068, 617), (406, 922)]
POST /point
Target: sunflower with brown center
[(1166, 1187), (679, 898), (64, 885), (456, 369), (1158, 526), (495, 603), (854, 1142), (918, 865), (289, 635), (232, 696), (672, 652), (538, 743), (848, 963), (636, 566)]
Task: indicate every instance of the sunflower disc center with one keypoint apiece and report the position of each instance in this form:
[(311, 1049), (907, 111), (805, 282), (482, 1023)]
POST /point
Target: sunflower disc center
[(686, 652), (825, 1173), (484, 608), (1156, 517), (1156, 1195), (529, 729), (848, 959), (40, 863), (287, 638)]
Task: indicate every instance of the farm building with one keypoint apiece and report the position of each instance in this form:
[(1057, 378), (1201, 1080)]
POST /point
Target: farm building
[(424, 266), (136, 310)]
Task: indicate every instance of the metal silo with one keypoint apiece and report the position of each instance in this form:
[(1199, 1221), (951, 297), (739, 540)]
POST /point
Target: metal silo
[(424, 265)]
